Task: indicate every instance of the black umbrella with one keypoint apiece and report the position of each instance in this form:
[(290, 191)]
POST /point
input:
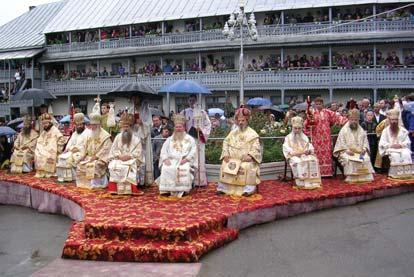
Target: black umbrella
[(276, 111), (300, 107), (155, 111), (37, 95), (134, 89)]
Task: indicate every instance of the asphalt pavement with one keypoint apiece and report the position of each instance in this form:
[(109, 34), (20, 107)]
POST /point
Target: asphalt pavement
[(373, 238)]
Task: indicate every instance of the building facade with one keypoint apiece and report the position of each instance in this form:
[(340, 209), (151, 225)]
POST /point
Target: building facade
[(336, 50)]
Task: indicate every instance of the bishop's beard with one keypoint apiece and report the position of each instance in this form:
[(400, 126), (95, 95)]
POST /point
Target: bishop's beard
[(394, 128), (178, 135), (126, 137), (26, 131), (96, 133)]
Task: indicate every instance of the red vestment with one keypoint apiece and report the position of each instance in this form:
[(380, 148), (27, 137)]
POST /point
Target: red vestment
[(320, 134)]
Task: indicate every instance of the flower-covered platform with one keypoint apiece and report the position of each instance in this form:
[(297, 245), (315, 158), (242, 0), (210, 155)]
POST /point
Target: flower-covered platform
[(150, 228)]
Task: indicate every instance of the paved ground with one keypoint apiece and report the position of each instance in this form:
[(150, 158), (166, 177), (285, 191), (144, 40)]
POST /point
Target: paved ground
[(371, 239)]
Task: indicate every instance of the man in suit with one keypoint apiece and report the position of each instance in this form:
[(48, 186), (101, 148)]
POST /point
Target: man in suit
[(378, 116)]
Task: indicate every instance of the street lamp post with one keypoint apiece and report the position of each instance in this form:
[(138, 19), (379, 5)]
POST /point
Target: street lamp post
[(239, 21)]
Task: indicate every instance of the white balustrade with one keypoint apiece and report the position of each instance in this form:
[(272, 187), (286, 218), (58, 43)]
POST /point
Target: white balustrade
[(264, 31), (289, 79)]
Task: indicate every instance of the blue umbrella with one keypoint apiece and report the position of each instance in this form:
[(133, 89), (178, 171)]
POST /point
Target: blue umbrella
[(185, 87), (258, 101), (7, 131), (66, 119), (214, 111), (409, 107)]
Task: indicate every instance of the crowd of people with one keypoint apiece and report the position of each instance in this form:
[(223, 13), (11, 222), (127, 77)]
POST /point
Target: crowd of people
[(363, 59), (144, 149), (317, 16)]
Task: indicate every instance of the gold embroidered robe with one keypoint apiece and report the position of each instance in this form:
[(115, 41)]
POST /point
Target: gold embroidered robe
[(23, 152), (237, 176), (49, 145)]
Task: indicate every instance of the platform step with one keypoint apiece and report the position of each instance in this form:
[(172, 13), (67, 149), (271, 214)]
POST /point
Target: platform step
[(77, 246)]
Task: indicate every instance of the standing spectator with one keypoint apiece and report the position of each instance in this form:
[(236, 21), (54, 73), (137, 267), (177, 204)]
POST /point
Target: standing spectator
[(378, 117), (409, 60), (156, 126), (121, 71), (17, 77), (5, 151), (383, 107), (369, 126), (157, 144)]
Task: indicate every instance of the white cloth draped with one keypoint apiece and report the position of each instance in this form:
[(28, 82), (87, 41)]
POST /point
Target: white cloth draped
[(401, 164), (176, 178)]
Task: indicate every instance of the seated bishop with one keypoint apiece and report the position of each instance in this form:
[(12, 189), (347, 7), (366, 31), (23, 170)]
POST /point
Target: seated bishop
[(241, 155), (94, 156), (299, 152), (67, 161), (50, 144), (178, 161), (352, 151), (125, 159), (395, 143), (24, 146)]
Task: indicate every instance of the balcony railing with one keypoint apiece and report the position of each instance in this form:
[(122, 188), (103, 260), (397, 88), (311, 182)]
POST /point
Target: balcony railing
[(29, 74), (264, 31), (258, 80)]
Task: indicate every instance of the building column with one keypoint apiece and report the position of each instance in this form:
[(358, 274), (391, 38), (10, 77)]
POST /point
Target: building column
[(375, 55), (33, 60), (69, 103), (201, 24), (9, 80), (374, 13), (161, 63), (330, 95), (330, 15), (99, 41), (162, 27), (330, 56), (282, 56), (42, 71), (199, 61), (129, 67), (282, 96), (98, 67), (375, 95)]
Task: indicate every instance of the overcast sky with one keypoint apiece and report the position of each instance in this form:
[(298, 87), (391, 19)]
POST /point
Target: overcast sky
[(11, 9)]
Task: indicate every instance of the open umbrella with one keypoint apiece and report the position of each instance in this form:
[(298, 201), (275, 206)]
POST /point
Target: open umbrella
[(7, 131), (300, 107), (131, 89), (15, 121), (37, 95), (259, 101), (275, 110), (214, 111), (185, 87), (66, 119)]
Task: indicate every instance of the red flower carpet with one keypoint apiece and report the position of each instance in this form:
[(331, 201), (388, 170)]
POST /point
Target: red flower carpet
[(150, 228)]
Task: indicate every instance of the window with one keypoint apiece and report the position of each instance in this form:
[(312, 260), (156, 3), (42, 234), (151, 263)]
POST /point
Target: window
[(216, 102)]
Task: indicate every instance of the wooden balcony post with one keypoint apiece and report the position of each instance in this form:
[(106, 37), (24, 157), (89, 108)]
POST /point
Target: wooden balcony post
[(330, 95), (282, 96), (375, 95)]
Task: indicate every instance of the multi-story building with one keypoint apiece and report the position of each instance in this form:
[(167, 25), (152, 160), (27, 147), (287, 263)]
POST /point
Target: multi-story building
[(333, 49)]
